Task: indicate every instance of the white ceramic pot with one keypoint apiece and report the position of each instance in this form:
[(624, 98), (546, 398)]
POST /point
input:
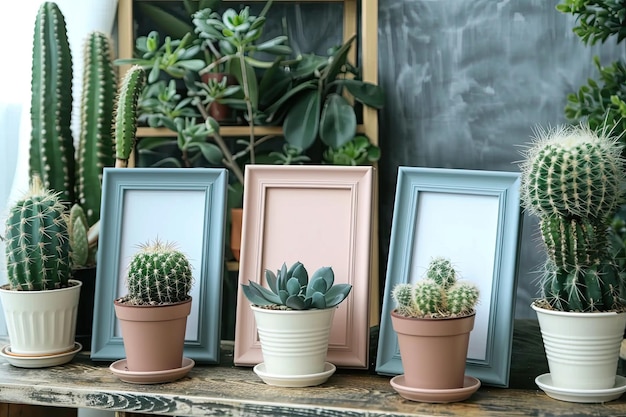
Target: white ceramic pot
[(294, 342), (582, 348), (41, 323)]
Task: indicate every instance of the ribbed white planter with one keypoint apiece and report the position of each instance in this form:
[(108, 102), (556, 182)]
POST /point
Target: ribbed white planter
[(41, 323), (294, 342), (582, 348)]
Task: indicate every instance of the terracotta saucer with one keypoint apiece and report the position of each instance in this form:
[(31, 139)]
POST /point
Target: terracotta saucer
[(43, 361), (118, 368), (581, 395), (470, 386), (295, 380)]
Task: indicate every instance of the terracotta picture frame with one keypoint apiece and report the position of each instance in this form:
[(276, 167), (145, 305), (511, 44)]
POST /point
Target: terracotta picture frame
[(473, 218), (320, 215), (180, 205)]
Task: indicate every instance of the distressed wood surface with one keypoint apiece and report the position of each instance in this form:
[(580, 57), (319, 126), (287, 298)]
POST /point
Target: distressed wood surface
[(226, 390)]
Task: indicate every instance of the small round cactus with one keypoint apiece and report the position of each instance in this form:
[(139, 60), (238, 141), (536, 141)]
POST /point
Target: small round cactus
[(159, 274), (439, 294)]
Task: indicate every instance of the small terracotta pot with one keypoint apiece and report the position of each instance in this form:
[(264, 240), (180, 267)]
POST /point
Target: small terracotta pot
[(154, 336), (433, 351), (236, 219)]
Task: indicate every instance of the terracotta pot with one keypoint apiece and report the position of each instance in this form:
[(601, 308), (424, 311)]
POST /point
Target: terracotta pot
[(219, 111), (154, 336), (433, 351), (236, 219)]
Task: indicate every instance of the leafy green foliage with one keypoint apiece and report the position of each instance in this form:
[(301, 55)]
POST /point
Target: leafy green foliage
[(597, 19), (358, 151)]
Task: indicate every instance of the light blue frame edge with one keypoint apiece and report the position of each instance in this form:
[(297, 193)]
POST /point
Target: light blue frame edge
[(214, 182), (494, 370)]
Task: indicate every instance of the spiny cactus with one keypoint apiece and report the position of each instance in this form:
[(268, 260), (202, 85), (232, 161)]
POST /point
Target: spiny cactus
[(95, 148), (573, 180), (82, 242), (126, 114), (51, 143), (159, 274), (439, 294), (37, 241), (292, 289)]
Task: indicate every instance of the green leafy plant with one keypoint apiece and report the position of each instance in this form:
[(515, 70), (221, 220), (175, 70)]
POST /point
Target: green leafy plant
[(292, 289), (439, 294), (358, 151), (160, 103), (573, 180), (37, 241), (158, 274)]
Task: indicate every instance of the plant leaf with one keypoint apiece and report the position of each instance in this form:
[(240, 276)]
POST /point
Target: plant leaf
[(367, 93), (338, 121), (337, 294), (302, 121), (318, 300)]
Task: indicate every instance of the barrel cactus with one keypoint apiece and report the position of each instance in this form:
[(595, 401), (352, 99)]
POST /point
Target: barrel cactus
[(439, 294), (158, 274), (37, 241), (573, 180), (291, 288)]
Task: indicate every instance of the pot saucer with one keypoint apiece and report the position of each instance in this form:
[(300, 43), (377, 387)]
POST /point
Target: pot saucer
[(295, 380), (470, 386), (44, 361), (581, 395), (118, 368)]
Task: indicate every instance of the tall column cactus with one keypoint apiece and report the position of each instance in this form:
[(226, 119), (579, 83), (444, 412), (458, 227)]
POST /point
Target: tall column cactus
[(95, 148), (37, 241), (51, 144), (125, 127), (573, 180)]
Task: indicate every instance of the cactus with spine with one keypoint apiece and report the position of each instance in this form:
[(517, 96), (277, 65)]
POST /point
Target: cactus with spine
[(125, 127), (291, 288), (439, 294), (158, 274), (37, 241), (573, 180)]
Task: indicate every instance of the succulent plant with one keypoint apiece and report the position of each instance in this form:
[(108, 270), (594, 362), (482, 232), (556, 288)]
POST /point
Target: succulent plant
[(439, 294), (83, 239), (573, 180), (159, 273), (292, 289), (125, 127), (37, 241)]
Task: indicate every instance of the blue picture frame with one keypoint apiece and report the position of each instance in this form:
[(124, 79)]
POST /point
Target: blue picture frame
[(186, 206), (474, 218)]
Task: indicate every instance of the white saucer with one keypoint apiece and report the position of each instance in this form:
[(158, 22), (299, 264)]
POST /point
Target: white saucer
[(119, 369), (295, 381), (39, 361), (470, 386), (579, 395)]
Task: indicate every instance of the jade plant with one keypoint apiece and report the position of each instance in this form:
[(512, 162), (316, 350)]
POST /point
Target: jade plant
[(573, 181), (439, 294), (292, 289), (37, 241), (158, 274)]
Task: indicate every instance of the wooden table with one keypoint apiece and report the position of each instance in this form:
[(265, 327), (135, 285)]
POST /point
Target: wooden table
[(226, 390)]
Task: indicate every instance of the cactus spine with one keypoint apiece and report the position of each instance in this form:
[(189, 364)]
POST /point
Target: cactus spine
[(37, 241), (572, 179), (95, 149), (439, 294), (126, 114), (51, 143), (159, 274)]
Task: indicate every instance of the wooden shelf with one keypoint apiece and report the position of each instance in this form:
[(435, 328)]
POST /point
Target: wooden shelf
[(225, 131)]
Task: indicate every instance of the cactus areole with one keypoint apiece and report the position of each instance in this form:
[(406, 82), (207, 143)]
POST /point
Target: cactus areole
[(573, 180)]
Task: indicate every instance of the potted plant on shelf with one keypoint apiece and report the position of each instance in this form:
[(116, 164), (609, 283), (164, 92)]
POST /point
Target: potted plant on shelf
[(433, 320), (40, 301), (573, 181), (293, 318), (153, 315)]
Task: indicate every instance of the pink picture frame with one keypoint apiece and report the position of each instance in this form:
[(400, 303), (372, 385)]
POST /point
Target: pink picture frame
[(320, 215)]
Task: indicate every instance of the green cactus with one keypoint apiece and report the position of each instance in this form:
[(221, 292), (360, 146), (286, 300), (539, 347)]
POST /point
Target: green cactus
[(439, 294), (125, 127), (95, 148), (292, 289), (82, 241), (159, 274), (37, 241), (573, 180), (51, 143)]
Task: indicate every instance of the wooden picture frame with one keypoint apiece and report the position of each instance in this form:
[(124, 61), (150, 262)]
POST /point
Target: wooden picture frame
[(473, 218), (181, 205), (320, 215)]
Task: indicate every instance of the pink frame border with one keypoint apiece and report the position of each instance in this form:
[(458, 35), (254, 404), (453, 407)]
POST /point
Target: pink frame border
[(309, 213)]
